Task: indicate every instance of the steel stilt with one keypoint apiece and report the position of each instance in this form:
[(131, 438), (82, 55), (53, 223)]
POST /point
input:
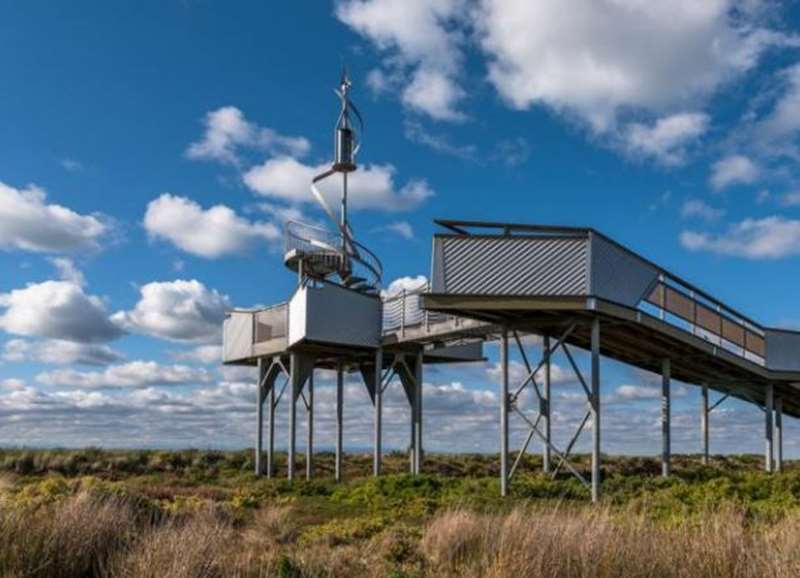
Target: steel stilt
[(665, 417), (595, 409), (412, 402), (376, 457), (779, 434), (294, 388), (545, 406), (262, 371), (504, 414), (310, 431), (704, 423), (271, 431), (769, 409), (418, 377), (339, 416)]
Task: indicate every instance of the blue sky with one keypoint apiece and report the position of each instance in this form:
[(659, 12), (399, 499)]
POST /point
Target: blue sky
[(149, 153)]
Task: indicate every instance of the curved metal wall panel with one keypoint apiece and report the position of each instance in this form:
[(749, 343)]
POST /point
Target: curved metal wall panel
[(521, 266), (619, 276)]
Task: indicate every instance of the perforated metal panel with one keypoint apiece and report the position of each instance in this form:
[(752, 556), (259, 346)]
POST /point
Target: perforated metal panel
[(516, 266)]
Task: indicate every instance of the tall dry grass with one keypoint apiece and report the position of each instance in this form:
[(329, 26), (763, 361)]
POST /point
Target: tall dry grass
[(94, 535), (602, 543), (73, 538)]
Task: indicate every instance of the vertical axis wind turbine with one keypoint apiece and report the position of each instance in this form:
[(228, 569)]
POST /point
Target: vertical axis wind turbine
[(321, 253)]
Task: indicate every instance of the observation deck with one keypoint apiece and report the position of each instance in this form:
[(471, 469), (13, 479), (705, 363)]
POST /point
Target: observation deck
[(574, 287)]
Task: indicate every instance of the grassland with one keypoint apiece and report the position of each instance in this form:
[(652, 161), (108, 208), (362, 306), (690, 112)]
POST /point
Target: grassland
[(93, 513)]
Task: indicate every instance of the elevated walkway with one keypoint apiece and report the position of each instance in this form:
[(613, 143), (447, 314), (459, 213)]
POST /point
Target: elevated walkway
[(540, 279)]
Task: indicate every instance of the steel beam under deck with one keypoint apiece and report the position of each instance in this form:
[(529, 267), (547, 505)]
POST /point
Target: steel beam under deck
[(632, 337)]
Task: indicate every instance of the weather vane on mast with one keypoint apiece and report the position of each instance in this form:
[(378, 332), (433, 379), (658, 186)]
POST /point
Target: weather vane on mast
[(346, 142)]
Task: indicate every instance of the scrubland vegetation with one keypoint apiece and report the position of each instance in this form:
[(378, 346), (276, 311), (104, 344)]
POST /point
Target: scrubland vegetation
[(93, 513)]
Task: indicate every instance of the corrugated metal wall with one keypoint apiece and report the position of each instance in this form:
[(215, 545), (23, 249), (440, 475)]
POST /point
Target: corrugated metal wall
[(517, 266)]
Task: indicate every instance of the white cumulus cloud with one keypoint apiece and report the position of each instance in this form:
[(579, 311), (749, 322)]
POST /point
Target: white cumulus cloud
[(208, 354), (772, 237), (668, 138), (421, 41), (177, 310), (209, 233), (595, 58), (58, 351), (68, 271), (56, 310), (227, 131), (696, 208), (133, 374), (30, 223), (733, 170), (371, 187)]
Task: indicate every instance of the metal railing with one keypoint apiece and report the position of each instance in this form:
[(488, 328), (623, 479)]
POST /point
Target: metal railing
[(403, 310), (311, 239), (356, 259), (683, 306)]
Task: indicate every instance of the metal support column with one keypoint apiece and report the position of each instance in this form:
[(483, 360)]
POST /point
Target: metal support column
[(769, 409), (339, 416), (595, 409), (545, 406), (310, 423), (294, 387), (704, 422), (418, 377), (271, 432), (504, 414), (779, 434), (376, 457), (412, 460), (665, 417), (262, 372)]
